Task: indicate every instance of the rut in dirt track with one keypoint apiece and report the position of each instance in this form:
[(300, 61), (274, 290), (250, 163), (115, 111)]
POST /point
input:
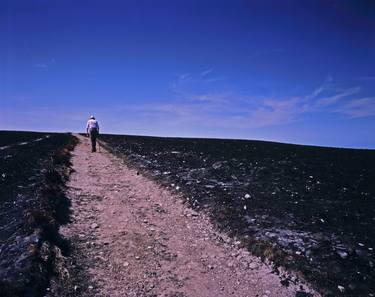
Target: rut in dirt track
[(134, 238)]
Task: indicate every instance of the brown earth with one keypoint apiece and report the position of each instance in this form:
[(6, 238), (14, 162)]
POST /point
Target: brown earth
[(132, 237)]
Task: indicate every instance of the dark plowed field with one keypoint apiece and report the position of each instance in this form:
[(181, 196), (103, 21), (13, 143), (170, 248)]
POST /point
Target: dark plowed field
[(8, 138), (31, 173), (310, 209)]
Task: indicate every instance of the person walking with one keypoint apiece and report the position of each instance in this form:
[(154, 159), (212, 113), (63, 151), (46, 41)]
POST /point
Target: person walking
[(92, 130)]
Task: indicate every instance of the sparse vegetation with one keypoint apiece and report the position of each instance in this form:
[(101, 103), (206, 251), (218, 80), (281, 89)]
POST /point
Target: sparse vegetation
[(33, 205)]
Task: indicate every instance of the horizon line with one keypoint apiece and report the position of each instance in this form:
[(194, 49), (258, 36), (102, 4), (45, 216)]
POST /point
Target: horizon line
[(209, 138)]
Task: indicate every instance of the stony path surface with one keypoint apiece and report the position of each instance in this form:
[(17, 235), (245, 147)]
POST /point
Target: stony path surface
[(138, 239)]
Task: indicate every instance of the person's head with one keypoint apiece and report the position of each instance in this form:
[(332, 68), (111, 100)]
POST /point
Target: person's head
[(92, 117)]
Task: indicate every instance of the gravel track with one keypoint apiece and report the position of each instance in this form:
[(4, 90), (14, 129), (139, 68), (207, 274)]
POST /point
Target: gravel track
[(132, 237)]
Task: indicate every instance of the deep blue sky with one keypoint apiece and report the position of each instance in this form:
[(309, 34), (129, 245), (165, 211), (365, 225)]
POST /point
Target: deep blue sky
[(292, 71)]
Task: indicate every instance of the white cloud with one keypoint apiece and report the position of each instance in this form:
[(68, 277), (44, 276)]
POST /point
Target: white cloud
[(199, 103), (199, 87), (358, 108), (272, 111), (328, 101), (41, 65), (184, 76), (206, 72), (315, 93)]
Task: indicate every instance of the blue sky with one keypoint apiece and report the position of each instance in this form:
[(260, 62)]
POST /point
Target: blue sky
[(291, 71)]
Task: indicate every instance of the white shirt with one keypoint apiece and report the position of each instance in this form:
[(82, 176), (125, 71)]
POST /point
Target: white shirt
[(91, 123)]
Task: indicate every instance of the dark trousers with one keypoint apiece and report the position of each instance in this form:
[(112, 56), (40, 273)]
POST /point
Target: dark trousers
[(93, 136)]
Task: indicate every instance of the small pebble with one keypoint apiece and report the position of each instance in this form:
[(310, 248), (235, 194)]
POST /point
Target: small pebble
[(341, 288), (94, 226)]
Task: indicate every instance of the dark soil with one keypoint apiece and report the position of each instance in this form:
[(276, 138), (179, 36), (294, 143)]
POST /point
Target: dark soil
[(33, 170), (309, 209), (12, 137)]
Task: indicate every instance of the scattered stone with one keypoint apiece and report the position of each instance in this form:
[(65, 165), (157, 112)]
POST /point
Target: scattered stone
[(253, 265), (247, 196), (94, 226), (101, 258), (341, 288), (193, 213), (216, 165), (342, 254), (126, 264)]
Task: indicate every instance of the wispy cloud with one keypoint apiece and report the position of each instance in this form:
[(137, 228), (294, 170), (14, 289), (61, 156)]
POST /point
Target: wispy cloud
[(208, 76), (199, 87), (358, 108), (41, 65), (324, 98), (184, 76), (214, 79), (45, 65), (197, 103), (206, 72), (331, 100), (367, 77), (195, 108)]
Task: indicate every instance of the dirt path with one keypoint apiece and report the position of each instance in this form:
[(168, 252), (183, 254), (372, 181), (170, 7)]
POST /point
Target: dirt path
[(138, 239)]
